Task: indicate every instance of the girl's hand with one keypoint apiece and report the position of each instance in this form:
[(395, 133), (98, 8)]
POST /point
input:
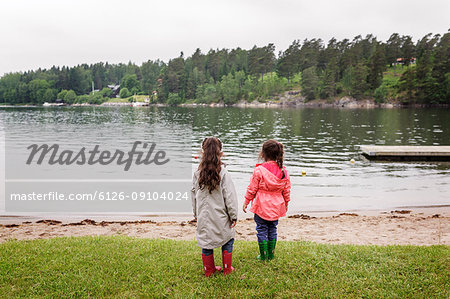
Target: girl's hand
[(286, 207), (244, 208), (233, 224)]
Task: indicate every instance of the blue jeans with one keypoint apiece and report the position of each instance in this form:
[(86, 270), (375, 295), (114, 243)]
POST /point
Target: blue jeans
[(266, 230), (228, 246)]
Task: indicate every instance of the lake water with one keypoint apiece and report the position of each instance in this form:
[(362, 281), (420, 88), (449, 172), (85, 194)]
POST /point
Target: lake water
[(320, 142)]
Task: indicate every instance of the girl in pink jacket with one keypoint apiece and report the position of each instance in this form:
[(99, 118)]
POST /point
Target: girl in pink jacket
[(269, 191)]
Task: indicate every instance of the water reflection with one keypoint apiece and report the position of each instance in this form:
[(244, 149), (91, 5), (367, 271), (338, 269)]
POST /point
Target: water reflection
[(319, 141)]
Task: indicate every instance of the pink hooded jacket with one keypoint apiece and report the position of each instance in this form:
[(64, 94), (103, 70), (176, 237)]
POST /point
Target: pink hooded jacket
[(269, 192)]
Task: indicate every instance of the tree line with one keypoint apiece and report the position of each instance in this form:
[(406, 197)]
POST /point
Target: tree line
[(397, 69)]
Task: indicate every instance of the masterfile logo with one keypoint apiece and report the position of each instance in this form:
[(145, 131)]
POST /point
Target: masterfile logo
[(53, 156)]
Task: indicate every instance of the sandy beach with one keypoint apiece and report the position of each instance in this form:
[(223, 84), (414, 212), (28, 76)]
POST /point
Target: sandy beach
[(396, 227)]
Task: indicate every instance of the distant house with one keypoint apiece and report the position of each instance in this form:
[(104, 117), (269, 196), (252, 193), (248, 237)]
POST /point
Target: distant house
[(402, 61), (115, 90)]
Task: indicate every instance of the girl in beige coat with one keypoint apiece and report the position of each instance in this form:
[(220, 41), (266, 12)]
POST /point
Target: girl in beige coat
[(214, 203)]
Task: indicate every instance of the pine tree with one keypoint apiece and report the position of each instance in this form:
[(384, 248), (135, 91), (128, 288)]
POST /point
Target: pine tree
[(358, 80), (309, 83), (376, 67), (330, 78)]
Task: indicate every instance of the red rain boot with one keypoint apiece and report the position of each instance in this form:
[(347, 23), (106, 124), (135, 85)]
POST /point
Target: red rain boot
[(209, 266), (226, 260)]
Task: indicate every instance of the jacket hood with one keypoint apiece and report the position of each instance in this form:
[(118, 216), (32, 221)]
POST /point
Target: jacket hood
[(271, 181)]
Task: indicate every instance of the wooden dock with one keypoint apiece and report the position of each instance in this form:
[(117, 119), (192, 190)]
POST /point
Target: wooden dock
[(406, 152)]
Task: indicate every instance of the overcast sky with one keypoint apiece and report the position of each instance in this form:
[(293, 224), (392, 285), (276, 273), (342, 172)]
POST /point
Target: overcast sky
[(42, 33)]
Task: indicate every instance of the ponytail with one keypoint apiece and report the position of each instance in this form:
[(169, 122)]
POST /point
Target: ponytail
[(280, 155)]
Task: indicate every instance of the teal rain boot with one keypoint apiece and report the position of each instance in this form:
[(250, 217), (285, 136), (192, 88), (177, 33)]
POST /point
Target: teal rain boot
[(271, 249), (262, 251)]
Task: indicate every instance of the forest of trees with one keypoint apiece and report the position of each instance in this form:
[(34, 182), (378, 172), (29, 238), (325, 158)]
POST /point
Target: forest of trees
[(360, 68)]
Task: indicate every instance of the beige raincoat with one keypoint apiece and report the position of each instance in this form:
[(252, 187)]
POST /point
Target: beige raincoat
[(215, 211)]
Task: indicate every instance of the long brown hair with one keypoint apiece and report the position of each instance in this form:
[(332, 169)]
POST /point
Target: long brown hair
[(273, 150), (210, 165)]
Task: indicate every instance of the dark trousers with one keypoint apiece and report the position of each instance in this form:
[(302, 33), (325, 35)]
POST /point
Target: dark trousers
[(228, 246), (266, 230)]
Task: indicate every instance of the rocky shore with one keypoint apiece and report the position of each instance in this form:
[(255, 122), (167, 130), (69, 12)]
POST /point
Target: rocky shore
[(293, 99)]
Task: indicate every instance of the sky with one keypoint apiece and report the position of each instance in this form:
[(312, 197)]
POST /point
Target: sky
[(43, 33)]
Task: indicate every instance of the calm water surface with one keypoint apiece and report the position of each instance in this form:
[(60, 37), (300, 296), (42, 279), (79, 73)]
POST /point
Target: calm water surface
[(319, 141)]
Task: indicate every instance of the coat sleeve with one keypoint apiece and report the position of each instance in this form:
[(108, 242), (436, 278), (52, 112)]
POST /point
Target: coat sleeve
[(253, 186), (287, 189), (193, 194), (230, 196)]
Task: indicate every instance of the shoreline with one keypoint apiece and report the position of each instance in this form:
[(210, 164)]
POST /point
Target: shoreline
[(418, 226), (18, 218), (270, 105), (343, 103)]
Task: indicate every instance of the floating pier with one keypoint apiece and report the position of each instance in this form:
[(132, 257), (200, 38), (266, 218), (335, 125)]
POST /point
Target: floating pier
[(406, 152)]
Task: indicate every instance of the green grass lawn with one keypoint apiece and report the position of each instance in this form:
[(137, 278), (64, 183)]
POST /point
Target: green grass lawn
[(117, 100), (137, 98), (396, 71), (128, 267)]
